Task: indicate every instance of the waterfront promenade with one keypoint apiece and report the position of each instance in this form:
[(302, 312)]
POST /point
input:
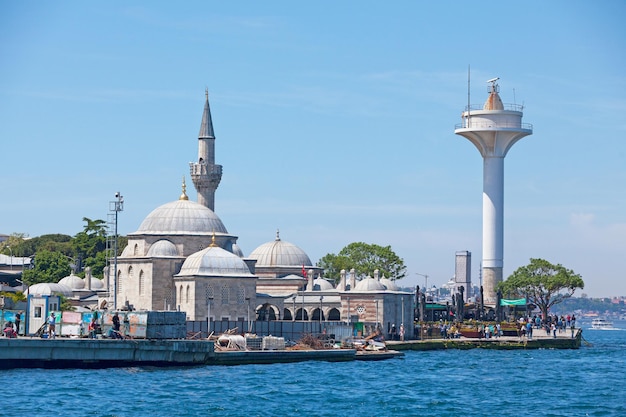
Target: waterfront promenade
[(539, 340)]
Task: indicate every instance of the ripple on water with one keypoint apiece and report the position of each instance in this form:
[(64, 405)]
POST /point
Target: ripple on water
[(584, 382)]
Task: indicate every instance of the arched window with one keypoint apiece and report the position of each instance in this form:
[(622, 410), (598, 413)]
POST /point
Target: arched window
[(142, 284), (208, 293), (136, 250), (180, 294), (225, 295), (119, 281), (187, 294), (130, 274)]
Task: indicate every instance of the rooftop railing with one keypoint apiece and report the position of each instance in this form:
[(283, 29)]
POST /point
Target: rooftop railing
[(507, 107), (492, 126)]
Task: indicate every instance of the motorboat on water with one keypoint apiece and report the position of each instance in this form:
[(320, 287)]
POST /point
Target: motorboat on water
[(602, 324)]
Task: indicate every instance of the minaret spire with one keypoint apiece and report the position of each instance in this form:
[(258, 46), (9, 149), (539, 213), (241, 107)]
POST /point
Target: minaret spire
[(205, 174)]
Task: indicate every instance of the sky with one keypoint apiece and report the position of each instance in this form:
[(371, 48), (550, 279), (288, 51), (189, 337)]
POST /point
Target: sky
[(334, 123)]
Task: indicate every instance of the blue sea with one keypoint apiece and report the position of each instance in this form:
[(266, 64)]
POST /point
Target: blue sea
[(590, 381)]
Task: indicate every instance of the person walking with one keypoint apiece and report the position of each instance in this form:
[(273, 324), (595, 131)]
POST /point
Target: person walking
[(18, 320)]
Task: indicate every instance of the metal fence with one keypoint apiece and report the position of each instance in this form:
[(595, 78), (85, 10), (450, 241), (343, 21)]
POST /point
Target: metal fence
[(290, 330)]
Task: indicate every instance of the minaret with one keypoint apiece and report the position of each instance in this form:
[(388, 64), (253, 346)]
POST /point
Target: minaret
[(493, 128), (205, 174)]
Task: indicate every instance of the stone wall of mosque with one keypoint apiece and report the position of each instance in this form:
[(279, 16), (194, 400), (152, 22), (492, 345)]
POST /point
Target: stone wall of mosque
[(227, 298)]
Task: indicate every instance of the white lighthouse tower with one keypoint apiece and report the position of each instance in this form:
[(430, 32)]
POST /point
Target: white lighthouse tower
[(493, 128)]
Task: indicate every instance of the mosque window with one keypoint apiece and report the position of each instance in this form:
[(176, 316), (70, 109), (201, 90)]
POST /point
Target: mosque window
[(119, 282), (180, 294), (209, 295), (142, 284), (225, 294), (130, 273), (241, 295), (360, 309), (187, 294), (136, 250)]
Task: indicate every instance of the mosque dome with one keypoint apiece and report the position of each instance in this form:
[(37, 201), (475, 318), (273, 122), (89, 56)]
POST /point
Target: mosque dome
[(181, 217), (237, 250), (389, 284), (369, 284), (214, 261), (49, 288), (162, 249), (96, 284), (279, 253), (320, 284), (73, 282)]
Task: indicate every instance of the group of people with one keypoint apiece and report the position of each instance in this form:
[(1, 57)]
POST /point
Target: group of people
[(93, 328), (12, 328), (551, 325)]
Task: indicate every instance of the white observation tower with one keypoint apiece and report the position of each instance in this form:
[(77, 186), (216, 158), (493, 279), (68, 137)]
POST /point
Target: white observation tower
[(493, 128)]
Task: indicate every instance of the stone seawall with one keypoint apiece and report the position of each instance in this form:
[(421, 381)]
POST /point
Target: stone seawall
[(102, 353)]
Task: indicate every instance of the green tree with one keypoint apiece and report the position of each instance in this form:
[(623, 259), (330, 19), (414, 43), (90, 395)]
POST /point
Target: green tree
[(333, 264), (16, 242), (364, 258), (49, 267), (52, 243), (89, 246), (543, 283)]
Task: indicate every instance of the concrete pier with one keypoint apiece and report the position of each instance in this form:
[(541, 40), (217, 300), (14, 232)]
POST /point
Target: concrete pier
[(101, 353), (540, 340)]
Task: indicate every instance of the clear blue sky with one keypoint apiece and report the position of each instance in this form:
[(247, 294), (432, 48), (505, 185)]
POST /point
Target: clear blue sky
[(334, 123)]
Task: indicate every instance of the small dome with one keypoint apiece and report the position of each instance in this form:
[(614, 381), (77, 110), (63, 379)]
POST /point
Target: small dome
[(493, 102), (49, 288), (127, 252), (74, 282), (280, 253), (162, 249), (96, 284), (181, 217), (214, 261), (237, 250), (320, 284), (389, 284), (369, 284)]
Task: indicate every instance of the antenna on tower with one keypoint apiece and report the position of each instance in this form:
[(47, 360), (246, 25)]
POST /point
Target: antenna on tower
[(493, 88), (514, 101), (468, 95)]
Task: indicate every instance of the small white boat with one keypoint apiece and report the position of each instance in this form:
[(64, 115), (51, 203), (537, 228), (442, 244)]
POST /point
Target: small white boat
[(602, 324)]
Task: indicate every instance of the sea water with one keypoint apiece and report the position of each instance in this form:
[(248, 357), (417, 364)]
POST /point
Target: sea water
[(590, 381)]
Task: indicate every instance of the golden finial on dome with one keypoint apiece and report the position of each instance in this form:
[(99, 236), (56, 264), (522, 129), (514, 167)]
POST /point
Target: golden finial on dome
[(183, 196), (213, 244)]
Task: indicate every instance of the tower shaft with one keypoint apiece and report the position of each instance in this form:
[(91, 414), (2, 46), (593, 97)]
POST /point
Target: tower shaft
[(205, 174), (493, 129)]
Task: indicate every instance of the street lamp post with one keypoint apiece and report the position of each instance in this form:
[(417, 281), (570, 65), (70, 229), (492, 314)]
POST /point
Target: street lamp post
[(425, 280), (376, 314), (208, 316), (349, 317), (248, 303), (321, 312), (116, 206)]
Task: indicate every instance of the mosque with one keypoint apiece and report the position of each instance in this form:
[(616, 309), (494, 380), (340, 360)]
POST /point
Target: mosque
[(182, 257)]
